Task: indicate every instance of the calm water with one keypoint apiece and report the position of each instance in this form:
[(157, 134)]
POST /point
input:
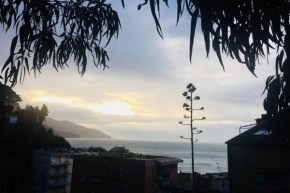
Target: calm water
[(206, 155)]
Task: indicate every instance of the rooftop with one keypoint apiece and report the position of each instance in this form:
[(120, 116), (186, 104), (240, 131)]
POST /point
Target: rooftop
[(261, 135), (257, 135), (115, 151), (121, 152)]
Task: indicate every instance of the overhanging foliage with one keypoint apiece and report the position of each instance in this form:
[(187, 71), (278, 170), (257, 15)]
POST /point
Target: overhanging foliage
[(245, 30), (79, 26)]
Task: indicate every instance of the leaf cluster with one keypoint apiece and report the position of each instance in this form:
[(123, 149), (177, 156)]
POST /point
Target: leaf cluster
[(8, 96), (240, 29), (245, 30), (53, 31)]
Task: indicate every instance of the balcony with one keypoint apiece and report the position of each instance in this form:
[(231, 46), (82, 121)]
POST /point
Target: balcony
[(52, 186), (162, 177), (159, 178), (59, 174), (61, 163)]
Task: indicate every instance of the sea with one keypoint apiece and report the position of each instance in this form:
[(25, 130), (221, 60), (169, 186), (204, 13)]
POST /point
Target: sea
[(208, 157)]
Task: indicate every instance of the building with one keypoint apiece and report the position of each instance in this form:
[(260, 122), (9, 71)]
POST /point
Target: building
[(12, 173), (211, 183), (257, 164), (204, 183), (12, 116), (52, 172), (119, 170)]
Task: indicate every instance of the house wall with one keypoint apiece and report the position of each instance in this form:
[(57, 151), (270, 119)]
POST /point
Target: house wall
[(218, 183), (41, 168), (69, 175), (47, 175), (255, 169), (101, 174), (151, 172), (107, 175)]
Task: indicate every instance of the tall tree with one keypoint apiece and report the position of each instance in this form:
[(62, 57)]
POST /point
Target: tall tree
[(43, 113)]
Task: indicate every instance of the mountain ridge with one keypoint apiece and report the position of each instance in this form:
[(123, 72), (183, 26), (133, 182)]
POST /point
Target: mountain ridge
[(69, 129)]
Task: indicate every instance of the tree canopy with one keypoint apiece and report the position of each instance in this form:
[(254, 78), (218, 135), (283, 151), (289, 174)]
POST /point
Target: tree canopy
[(9, 95), (7, 98)]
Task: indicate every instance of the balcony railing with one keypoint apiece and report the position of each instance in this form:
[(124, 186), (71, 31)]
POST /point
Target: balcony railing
[(159, 178), (51, 186), (59, 174), (60, 163), (162, 177)]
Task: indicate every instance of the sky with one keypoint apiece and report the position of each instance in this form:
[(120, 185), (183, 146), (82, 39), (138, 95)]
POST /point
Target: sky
[(140, 96)]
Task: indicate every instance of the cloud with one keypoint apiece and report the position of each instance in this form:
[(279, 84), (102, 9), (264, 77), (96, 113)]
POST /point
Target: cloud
[(112, 108), (125, 104), (107, 107), (66, 101), (230, 122)]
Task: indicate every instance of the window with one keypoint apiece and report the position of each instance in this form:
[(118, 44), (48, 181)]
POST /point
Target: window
[(151, 186), (126, 170), (106, 174), (96, 180), (263, 132), (152, 171), (85, 165), (83, 179), (203, 188), (105, 189), (57, 170), (97, 166), (259, 179), (55, 181), (125, 185)]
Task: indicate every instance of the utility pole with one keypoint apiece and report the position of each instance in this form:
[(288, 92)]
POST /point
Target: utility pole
[(218, 167), (188, 95)]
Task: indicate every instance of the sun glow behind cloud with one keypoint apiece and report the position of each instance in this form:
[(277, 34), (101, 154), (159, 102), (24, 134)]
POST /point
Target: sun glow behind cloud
[(112, 108), (53, 100), (107, 107), (72, 102)]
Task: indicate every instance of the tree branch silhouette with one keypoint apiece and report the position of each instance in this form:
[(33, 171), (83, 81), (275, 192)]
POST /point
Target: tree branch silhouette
[(245, 30), (53, 31)]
